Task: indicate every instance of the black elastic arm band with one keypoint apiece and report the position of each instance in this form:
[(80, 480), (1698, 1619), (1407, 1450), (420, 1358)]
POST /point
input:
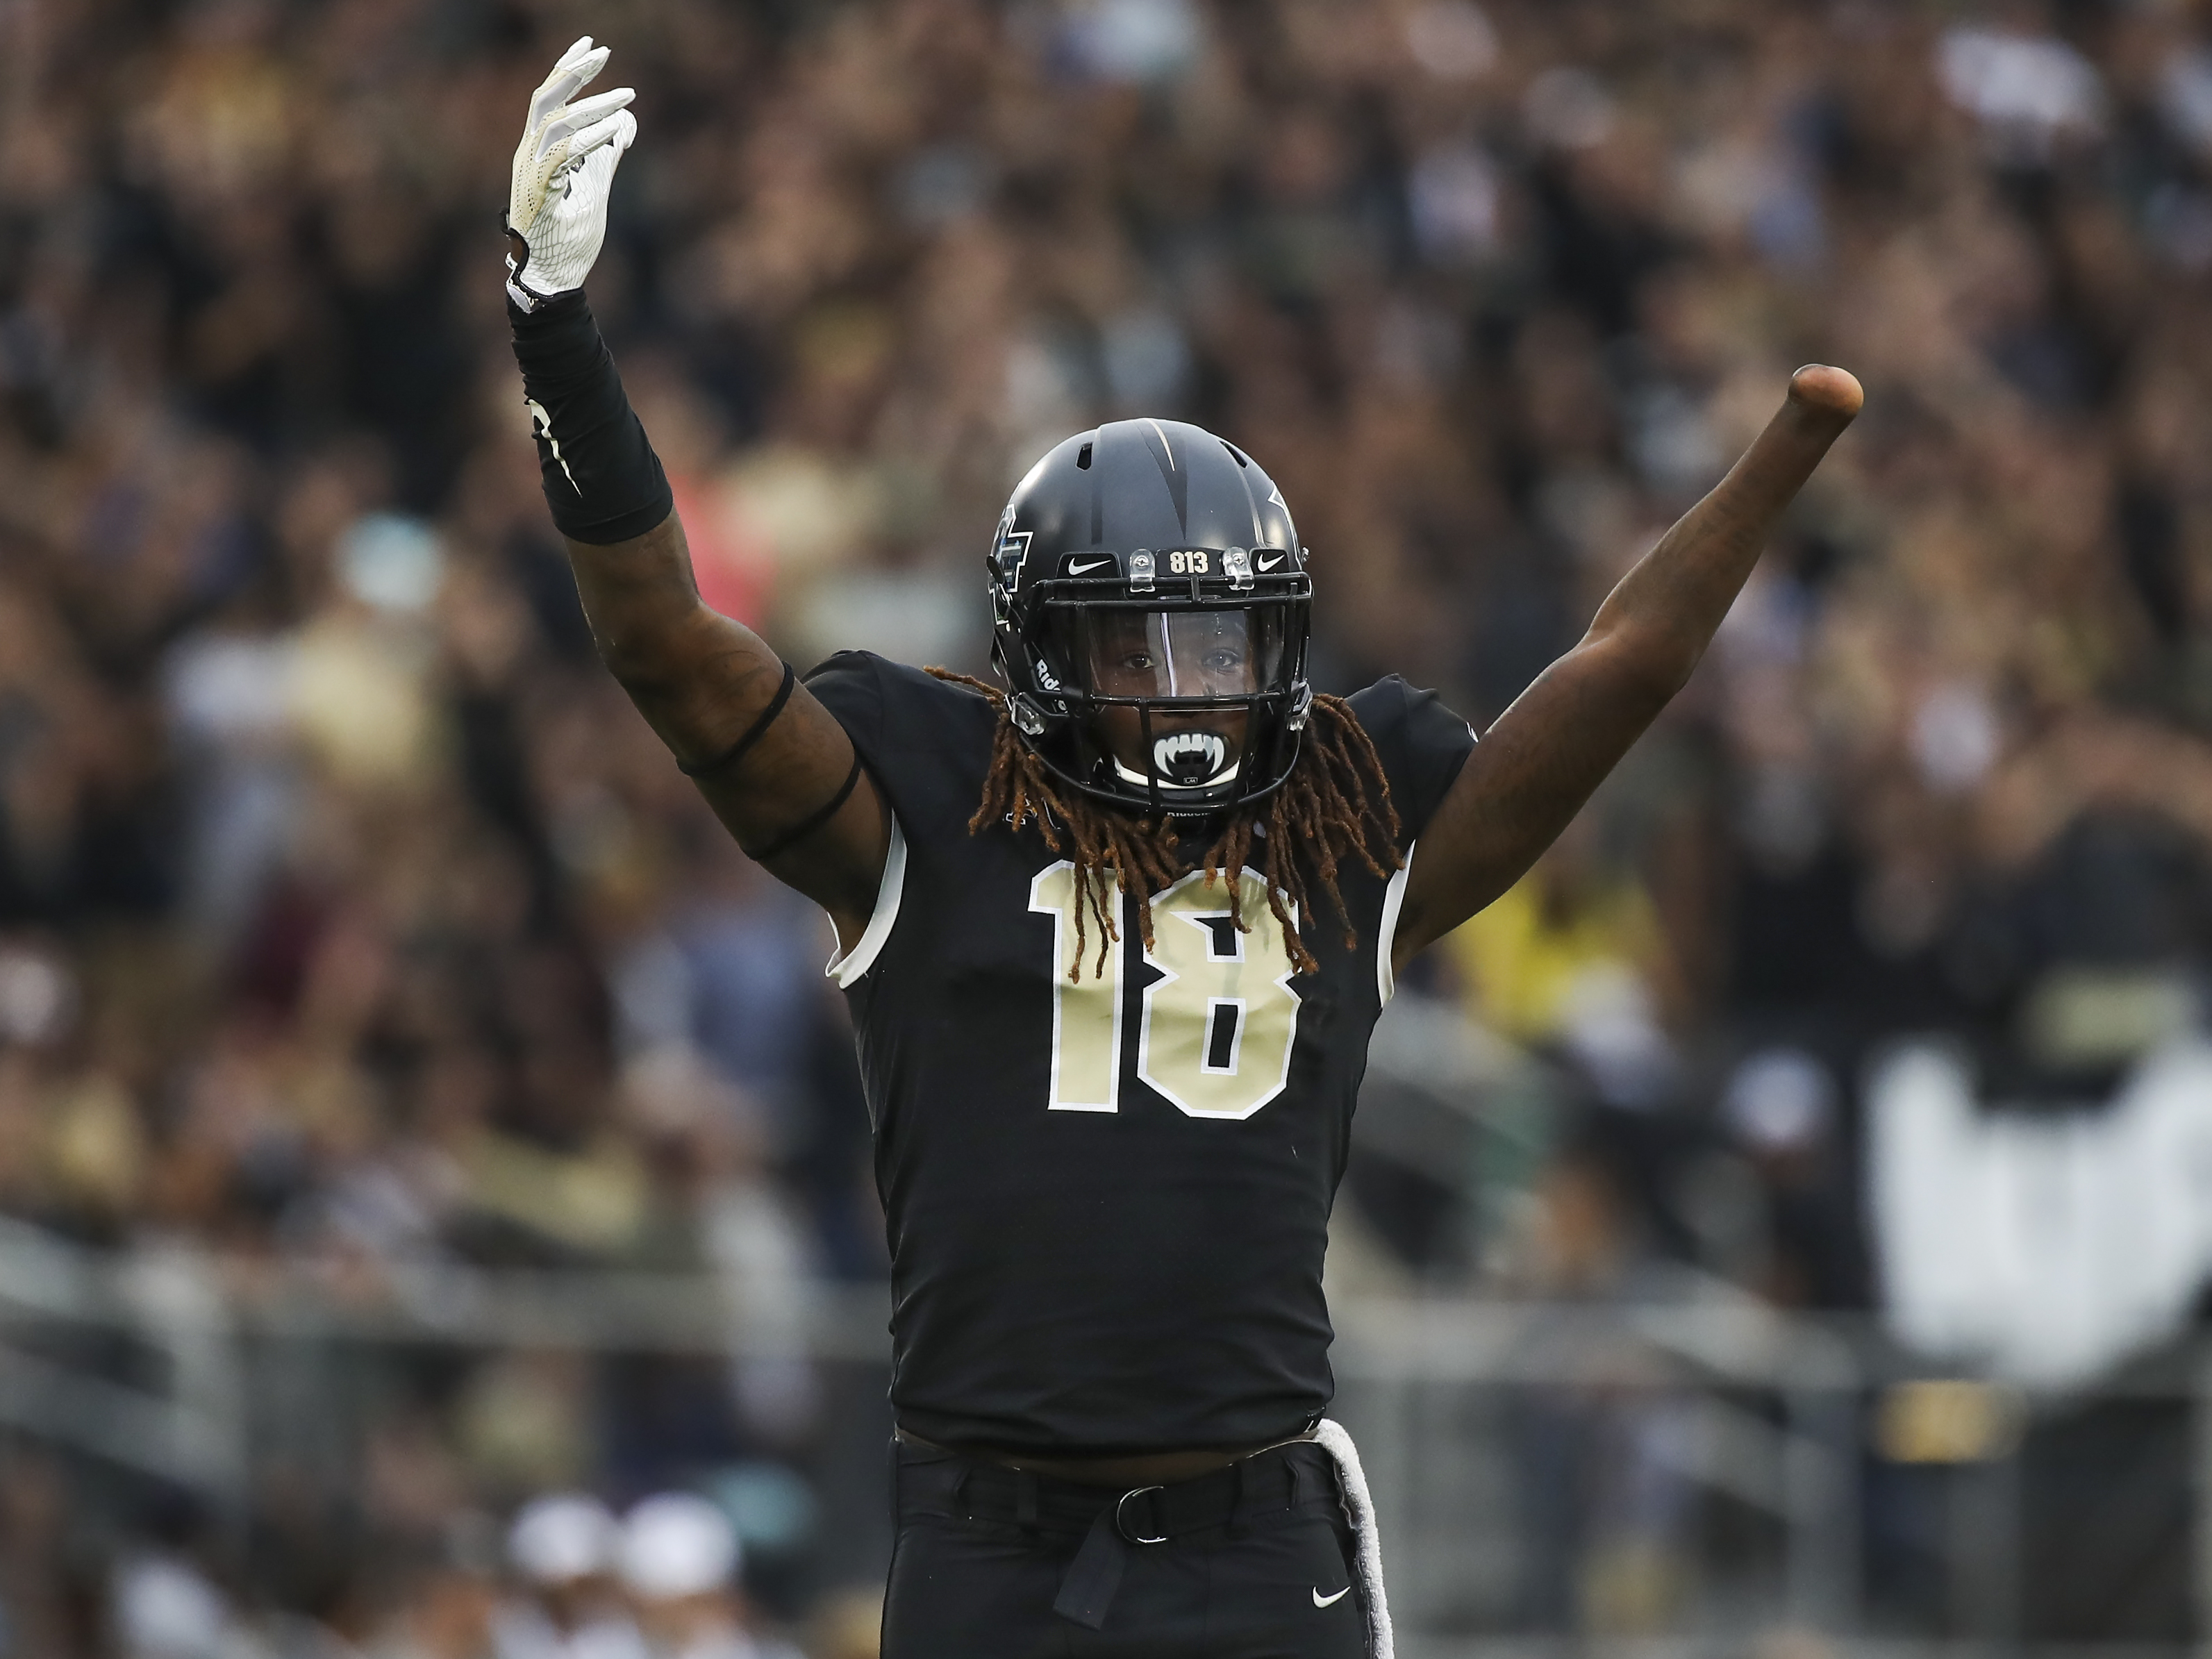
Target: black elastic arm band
[(754, 732), (813, 821), (602, 480)]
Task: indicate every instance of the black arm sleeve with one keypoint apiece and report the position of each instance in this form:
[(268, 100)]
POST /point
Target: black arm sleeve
[(602, 480)]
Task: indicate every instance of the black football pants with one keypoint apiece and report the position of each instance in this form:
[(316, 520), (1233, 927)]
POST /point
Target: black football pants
[(1255, 1565)]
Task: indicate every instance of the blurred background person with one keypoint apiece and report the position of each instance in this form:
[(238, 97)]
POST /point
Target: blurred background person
[(567, 1552), (681, 1565)]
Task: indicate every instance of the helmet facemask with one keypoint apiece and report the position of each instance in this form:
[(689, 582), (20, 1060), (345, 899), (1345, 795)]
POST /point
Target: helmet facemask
[(1180, 707)]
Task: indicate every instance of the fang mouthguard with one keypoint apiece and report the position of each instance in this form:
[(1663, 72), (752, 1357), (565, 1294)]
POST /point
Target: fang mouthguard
[(1189, 758), (1185, 760)]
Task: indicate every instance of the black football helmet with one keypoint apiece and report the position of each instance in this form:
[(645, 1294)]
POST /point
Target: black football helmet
[(1151, 566)]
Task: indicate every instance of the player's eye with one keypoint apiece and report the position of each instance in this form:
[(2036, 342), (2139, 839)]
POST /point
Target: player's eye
[(1223, 661), (1137, 661)]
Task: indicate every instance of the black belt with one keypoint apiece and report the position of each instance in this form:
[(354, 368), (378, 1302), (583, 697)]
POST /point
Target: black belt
[(938, 1482)]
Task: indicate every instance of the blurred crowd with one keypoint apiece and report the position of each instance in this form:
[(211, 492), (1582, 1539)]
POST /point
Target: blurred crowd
[(350, 921), (573, 1582)]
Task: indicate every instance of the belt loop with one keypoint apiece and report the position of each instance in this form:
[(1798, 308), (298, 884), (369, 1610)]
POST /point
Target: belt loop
[(960, 1490), (1234, 1528), (1299, 1476), (1026, 1499)]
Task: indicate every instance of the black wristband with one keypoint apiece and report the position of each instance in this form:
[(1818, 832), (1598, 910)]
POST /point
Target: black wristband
[(754, 732), (603, 482)]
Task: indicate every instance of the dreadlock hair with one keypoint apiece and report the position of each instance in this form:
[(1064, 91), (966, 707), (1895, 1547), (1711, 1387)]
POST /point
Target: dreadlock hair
[(1335, 805)]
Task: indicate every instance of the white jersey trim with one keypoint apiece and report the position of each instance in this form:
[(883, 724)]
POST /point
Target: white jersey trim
[(846, 966), (1394, 898)]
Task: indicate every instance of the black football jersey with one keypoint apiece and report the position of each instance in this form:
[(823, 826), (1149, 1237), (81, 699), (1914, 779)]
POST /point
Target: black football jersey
[(1107, 1199)]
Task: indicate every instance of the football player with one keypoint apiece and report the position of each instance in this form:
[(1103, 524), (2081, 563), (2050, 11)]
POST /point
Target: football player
[(1113, 931)]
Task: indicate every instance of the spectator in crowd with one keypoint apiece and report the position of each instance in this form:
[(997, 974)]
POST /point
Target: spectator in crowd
[(566, 1551), (680, 1561)]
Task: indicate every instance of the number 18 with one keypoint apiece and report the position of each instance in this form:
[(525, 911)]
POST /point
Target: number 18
[(1215, 1032)]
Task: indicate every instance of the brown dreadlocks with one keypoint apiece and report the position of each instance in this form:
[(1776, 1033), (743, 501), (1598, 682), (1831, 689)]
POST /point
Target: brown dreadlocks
[(1336, 803)]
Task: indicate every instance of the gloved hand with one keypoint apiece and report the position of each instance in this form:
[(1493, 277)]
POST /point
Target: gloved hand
[(556, 203)]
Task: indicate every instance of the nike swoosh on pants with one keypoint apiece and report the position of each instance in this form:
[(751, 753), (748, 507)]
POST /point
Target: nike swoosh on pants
[(1321, 1600)]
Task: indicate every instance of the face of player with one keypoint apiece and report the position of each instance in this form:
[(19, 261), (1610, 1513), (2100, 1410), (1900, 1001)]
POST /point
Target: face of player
[(1178, 653)]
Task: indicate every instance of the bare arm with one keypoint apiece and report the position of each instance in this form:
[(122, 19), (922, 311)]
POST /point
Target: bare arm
[(1536, 766), (697, 677), (702, 680)]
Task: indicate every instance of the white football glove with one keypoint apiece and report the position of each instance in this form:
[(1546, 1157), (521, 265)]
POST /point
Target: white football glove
[(556, 203)]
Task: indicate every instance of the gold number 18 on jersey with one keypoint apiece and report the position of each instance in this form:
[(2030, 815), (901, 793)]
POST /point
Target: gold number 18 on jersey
[(1215, 1032)]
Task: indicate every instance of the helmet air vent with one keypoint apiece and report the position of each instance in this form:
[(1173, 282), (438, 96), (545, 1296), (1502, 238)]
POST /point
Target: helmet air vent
[(1082, 457), (1235, 453)]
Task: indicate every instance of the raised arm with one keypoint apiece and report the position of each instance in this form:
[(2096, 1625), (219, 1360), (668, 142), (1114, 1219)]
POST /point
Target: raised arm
[(705, 684), (774, 764), (1536, 766)]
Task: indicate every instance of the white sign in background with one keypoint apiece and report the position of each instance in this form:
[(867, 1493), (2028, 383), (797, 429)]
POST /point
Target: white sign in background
[(2049, 1247)]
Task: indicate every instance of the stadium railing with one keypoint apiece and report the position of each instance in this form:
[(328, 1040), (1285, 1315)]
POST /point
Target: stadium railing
[(1700, 1476)]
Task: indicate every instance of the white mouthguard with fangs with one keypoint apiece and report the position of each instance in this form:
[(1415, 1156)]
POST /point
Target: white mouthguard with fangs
[(1180, 753), (1209, 749)]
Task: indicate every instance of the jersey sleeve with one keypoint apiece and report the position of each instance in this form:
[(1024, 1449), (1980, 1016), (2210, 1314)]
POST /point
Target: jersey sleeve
[(848, 688), (1421, 742), (925, 741)]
